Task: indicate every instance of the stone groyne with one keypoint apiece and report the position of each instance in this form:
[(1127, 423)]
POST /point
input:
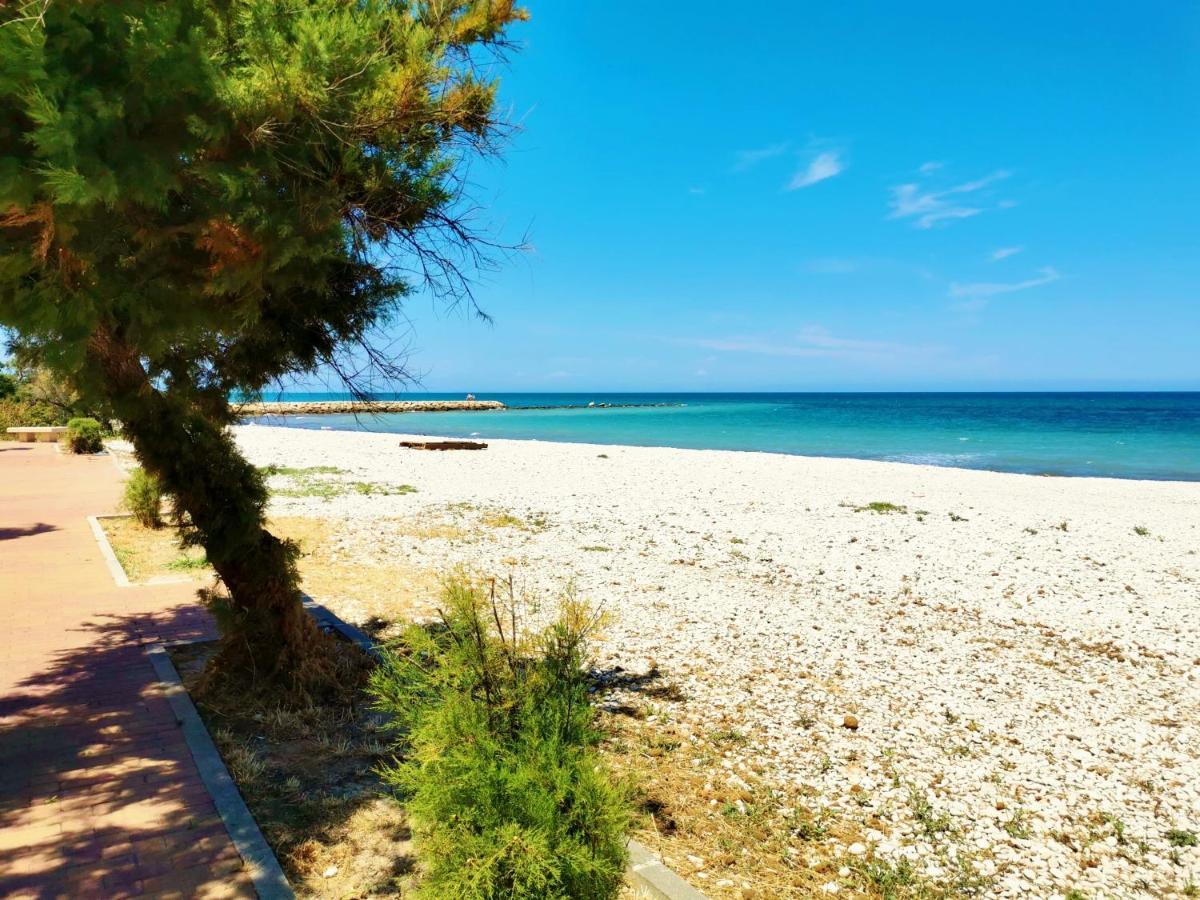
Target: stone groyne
[(350, 407)]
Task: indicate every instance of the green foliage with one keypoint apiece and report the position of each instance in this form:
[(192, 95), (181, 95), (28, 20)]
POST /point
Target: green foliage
[(35, 398), (211, 183), (1178, 837), (882, 507), (202, 196), (291, 472), (143, 498), (16, 412), (187, 564), (369, 488), (85, 436), (499, 771)]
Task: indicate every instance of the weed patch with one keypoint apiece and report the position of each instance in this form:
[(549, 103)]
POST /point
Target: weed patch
[(1177, 837), (882, 507), (499, 772)]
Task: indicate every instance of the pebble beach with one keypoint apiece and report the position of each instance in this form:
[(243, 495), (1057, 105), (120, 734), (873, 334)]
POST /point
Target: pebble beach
[(1013, 657)]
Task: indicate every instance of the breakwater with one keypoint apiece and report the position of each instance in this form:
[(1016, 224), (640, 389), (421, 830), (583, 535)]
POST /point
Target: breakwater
[(358, 407)]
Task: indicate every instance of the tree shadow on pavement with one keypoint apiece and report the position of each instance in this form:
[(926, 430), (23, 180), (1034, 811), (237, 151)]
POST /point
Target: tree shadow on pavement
[(11, 534), (100, 794)]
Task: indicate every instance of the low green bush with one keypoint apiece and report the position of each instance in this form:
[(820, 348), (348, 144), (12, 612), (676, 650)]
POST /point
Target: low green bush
[(499, 772), (85, 436), (15, 413), (143, 498)]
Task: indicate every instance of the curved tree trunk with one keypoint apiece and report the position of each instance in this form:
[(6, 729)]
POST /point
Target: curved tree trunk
[(269, 642)]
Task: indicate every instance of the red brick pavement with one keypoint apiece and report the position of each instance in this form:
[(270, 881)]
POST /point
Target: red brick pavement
[(99, 796)]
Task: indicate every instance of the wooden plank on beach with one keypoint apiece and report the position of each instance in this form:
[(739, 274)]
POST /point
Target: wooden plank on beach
[(443, 445)]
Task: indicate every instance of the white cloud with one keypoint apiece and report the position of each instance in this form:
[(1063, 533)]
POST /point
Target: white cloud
[(926, 208), (930, 167), (823, 166), (697, 191), (748, 159), (812, 342), (976, 294), (1005, 253)]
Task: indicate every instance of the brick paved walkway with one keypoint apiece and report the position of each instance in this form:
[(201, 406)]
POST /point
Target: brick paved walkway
[(99, 796)]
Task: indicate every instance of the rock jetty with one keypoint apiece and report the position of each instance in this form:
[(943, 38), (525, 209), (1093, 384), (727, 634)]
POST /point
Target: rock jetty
[(344, 407)]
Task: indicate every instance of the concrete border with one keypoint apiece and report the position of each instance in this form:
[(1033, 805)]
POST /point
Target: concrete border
[(653, 879), (265, 872), (110, 557), (327, 620), (114, 564)]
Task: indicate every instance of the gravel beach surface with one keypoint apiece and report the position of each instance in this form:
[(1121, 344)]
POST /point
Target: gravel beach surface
[(987, 671)]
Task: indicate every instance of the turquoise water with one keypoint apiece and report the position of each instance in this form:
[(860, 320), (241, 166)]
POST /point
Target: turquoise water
[(1122, 435)]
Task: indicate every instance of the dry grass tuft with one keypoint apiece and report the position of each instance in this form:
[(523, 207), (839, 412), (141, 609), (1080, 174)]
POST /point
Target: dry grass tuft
[(309, 779), (148, 554), (751, 840), (363, 586)]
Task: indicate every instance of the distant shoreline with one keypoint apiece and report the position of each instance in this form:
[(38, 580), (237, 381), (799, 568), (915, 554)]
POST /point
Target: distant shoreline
[(350, 407)]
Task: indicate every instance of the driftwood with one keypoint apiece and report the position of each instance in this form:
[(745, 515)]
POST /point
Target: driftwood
[(443, 445)]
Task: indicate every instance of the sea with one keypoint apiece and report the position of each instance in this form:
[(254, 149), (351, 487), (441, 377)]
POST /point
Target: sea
[(1116, 435)]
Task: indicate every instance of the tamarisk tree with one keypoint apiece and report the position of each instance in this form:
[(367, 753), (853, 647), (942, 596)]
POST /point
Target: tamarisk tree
[(199, 198)]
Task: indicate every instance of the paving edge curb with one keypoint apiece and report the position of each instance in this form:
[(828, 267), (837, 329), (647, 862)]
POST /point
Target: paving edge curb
[(265, 872), (110, 557), (646, 872), (653, 879)]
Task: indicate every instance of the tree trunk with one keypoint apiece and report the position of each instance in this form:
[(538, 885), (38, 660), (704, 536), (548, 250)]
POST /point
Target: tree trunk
[(269, 643)]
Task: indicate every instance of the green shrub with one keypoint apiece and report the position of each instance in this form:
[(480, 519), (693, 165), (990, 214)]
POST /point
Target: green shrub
[(499, 775), (8, 386), (143, 498), (85, 436), (15, 413)]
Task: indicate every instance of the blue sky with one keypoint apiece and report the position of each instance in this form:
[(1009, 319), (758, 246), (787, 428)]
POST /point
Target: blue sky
[(782, 196)]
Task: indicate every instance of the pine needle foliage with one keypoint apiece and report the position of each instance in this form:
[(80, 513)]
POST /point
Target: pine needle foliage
[(499, 770), (200, 197)]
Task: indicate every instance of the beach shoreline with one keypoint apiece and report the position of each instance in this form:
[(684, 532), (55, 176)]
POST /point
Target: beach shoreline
[(1020, 652), (601, 446)]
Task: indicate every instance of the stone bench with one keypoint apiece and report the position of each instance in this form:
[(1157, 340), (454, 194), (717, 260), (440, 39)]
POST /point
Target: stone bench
[(29, 433)]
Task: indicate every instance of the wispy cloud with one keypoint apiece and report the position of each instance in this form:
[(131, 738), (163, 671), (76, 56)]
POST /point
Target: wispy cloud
[(1005, 253), (975, 295), (926, 208), (748, 159), (832, 265), (822, 166), (697, 191), (813, 342), (930, 167)]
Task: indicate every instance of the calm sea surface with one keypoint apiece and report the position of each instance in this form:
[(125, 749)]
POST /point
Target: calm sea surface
[(1123, 435)]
